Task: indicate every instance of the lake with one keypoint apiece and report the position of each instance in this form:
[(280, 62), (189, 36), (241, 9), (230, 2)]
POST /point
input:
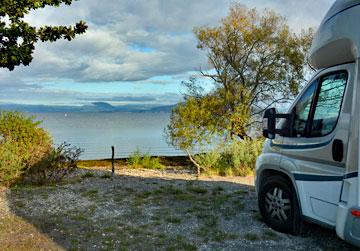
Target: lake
[(97, 132)]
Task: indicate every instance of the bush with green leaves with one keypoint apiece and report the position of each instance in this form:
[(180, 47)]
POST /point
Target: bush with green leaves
[(11, 163), (22, 144), (236, 158), (140, 160), (26, 151), (29, 140)]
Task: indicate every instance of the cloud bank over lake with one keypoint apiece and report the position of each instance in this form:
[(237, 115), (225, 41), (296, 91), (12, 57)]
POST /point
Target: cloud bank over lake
[(132, 49)]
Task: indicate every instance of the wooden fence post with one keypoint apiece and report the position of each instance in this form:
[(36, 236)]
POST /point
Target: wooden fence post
[(112, 161)]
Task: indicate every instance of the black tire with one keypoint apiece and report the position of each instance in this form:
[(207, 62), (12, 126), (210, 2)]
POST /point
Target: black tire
[(279, 206)]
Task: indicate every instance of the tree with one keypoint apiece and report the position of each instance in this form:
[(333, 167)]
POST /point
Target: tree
[(255, 62), (18, 38), (191, 125)]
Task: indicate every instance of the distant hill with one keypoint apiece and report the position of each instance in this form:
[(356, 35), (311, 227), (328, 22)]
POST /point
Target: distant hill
[(165, 108), (98, 107), (93, 107)]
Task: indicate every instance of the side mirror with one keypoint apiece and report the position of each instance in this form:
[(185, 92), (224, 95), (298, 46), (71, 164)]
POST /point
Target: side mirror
[(269, 123)]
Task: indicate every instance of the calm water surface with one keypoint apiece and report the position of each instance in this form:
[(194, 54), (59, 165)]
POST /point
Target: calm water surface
[(97, 132)]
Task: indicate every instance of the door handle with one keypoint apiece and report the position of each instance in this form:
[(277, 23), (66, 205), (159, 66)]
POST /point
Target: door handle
[(338, 150)]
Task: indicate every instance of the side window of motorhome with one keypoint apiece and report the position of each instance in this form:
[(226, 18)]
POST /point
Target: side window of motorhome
[(301, 111), (328, 105)]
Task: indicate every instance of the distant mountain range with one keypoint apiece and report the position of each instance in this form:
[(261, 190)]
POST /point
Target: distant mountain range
[(93, 107)]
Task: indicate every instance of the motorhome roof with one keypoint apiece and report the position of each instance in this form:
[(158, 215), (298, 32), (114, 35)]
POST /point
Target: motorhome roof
[(337, 40), (338, 7)]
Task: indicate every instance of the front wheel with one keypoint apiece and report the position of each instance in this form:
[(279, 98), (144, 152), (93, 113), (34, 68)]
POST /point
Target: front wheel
[(279, 206)]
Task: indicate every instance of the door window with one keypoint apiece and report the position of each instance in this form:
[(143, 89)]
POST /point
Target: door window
[(328, 104), (301, 111)]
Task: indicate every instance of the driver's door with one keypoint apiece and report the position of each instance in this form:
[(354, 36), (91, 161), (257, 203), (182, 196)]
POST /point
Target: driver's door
[(320, 125)]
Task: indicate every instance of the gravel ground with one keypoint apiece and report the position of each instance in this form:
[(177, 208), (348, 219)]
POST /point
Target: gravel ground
[(146, 210)]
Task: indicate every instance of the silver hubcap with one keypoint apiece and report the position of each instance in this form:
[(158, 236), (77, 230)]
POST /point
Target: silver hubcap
[(277, 205)]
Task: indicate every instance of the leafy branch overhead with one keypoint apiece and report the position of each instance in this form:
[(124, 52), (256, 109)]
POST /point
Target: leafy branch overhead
[(18, 38)]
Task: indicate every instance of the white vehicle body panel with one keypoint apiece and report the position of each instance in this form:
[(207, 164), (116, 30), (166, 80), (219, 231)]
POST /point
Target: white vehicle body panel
[(327, 188)]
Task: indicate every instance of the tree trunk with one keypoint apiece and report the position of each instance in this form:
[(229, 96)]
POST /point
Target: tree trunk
[(198, 167)]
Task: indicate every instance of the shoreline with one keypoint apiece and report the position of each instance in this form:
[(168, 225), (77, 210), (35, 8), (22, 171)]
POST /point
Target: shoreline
[(173, 161)]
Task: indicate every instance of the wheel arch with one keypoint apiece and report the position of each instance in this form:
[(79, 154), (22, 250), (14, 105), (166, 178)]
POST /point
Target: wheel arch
[(269, 171)]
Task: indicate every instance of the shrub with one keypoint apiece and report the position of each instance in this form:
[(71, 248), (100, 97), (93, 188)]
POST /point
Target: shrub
[(22, 144), (26, 151), (208, 161), (11, 163), (241, 155), (57, 164), (30, 141), (135, 159), (235, 158), (139, 160)]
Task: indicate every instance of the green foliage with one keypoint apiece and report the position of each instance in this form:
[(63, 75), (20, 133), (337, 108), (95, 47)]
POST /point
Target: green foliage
[(22, 144), (105, 176), (256, 62), (139, 160), (26, 152), (135, 159), (190, 123), (19, 37), (11, 163), (88, 175), (236, 158)]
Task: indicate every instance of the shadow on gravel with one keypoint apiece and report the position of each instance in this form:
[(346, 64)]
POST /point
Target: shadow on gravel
[(97, 212)]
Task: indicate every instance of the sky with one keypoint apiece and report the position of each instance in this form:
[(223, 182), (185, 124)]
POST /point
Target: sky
[(134, 52)]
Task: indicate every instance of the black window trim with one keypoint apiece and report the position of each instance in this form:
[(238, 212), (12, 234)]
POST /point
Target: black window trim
[(314, 81), (315, 100), (311, 114)]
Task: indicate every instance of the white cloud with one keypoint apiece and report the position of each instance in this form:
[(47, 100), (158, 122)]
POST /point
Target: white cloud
[(132, 40)]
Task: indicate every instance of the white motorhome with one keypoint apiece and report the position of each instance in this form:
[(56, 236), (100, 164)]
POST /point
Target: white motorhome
[(309, 166)]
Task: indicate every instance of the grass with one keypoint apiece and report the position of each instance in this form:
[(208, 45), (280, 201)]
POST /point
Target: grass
[(90, 193), (19, 204), (136, 213), (174, 219), (88, 175), (251, 237), (240, 192), (217, 190), (128, 212), (270, 234), (257, 216), (197, 189), (105, 176), (211, 221), (140, 160)]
